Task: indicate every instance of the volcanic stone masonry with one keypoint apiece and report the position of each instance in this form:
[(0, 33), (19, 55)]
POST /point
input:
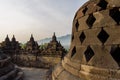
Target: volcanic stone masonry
[(10, 47), (95, 45), (54, 48), (9, 71), (31, 45)]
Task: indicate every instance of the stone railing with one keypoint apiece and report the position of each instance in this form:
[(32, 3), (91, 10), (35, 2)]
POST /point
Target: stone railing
[(5, 61), (6, 69)]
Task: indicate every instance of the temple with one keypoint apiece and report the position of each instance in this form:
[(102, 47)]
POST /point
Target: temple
[(95, 45), (31, 44), (10, 47), (54, 48), (6, 45), (15, 45), (31, 55)]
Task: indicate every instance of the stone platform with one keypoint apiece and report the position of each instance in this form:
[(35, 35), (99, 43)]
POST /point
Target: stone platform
[(34, 73)]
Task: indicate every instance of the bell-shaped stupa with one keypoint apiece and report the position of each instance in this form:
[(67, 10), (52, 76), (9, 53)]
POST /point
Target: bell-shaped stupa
[(95, 45)]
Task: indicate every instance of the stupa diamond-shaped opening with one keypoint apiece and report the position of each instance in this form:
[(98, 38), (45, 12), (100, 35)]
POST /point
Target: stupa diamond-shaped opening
[(102, 4), (73, 52), (115, 53), (85, 10), (72, 37), (115, 14), (90, 21), (89, 53), (103, 36), (82, 37), (77, 25)]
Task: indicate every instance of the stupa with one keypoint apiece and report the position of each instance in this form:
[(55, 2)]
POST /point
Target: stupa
[(10, 47), (95, 45), (54, 48), (32, 45)]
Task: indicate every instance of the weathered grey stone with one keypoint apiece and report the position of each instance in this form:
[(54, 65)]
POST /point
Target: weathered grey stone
[(8, 71), (78, 57), (114, 38), (91, 38), (58, 69), (95, 47), (82, 23), (67, 76), (103, 19), (113, 3), (70, 68)]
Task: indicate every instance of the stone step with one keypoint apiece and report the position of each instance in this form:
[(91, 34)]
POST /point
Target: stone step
[(19, 76), (4, 61), (11, 74), (6, 69)]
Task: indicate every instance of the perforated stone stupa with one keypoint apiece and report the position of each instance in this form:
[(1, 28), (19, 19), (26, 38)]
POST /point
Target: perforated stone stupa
[(95, 45)]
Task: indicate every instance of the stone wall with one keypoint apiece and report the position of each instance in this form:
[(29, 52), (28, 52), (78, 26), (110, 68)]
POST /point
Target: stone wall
[(33, 61)]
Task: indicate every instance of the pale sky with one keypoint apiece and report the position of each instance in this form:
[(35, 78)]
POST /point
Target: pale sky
[(38, 17)]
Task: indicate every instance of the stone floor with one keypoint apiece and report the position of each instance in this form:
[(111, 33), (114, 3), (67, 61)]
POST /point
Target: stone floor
[(34, 74)]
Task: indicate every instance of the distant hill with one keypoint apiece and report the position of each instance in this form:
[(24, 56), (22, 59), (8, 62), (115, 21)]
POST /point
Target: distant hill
[(65, 40)]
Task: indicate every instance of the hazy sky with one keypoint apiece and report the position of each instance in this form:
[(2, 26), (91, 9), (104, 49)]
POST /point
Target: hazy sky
[(38, 17)]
